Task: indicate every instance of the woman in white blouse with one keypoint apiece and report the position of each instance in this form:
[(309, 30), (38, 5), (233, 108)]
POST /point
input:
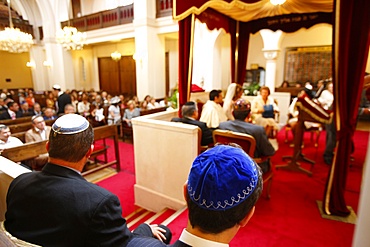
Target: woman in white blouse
[(263, 110)]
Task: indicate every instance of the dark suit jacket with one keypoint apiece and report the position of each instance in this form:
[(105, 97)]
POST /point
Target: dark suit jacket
[(30, 112), (145, 242), (58, 207), (6, 115), (207, 137), (63, 100), (263, 146)]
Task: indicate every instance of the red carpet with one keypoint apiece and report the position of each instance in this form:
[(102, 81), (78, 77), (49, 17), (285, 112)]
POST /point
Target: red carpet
[(291, 217)]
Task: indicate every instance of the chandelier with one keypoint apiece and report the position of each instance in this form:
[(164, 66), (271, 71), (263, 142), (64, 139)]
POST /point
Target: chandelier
[(70, 38), (116, 56), (14, 40), (277, 2)]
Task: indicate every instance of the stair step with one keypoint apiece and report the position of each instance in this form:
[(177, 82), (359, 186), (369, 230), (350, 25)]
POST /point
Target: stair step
[(174, 216), (137, 219)]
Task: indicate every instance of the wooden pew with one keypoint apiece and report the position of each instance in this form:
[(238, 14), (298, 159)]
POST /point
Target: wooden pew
[(16, 121), (22, 127), (21, 136), (101, 133), (25, 152), (34, 149)]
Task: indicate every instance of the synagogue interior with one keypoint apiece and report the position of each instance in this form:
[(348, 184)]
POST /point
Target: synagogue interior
[(129, 66)]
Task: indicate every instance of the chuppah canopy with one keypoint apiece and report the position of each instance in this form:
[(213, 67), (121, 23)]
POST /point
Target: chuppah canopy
[(240, 18)]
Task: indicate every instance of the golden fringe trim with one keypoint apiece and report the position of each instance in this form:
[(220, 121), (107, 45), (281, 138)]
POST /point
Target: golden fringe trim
[(212, 3)]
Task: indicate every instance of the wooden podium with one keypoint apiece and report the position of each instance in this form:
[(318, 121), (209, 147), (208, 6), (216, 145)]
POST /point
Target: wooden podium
[(308, 111)]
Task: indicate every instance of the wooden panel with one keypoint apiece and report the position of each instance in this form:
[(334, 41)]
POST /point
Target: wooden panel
[(76, 8), (127, 73), (108, 75)]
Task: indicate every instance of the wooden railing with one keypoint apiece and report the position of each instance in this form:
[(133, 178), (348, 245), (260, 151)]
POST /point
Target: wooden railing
[(114, 17), (23, 25), (164, 8), (108, 18)]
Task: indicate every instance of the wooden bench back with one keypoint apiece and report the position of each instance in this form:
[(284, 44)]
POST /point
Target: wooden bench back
[(20, 135), (22, 127), (26, 151), (16, 121)]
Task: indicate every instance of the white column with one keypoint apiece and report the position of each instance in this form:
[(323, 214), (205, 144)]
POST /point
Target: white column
[(149, 50), (271, 49), (270, 56)]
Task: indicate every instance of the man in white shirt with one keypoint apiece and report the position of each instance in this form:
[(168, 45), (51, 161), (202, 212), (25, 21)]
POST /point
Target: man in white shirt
[(212, 112), (7, 141), (223, 187)]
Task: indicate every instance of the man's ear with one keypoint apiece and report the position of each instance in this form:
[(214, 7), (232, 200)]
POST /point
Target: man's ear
[(88, 154), (244, 221), (185, 188)]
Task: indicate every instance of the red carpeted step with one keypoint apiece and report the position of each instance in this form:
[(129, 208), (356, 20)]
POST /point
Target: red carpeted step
[(133, 222), (161, 216)]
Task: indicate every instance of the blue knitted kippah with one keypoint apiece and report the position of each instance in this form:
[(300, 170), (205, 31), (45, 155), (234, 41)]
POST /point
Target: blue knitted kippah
[(222, 178)]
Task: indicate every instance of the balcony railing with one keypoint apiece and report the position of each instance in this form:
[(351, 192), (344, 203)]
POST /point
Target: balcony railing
[(164, 8), (108, 18), (114, 17), (23, 25)]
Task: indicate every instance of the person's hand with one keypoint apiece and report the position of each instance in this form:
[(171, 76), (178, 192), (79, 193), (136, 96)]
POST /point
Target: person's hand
[(158, 232)]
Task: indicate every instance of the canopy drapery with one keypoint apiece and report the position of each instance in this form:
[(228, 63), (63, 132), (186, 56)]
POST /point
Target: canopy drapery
[(350, 41)]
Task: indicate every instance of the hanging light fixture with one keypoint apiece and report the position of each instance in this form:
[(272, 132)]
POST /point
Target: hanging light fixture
[(277, 2), (116, 56), (70, 38), (14, 40)]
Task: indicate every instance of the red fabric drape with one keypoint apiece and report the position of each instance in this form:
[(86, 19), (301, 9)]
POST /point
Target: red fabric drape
[(244, 33), (185, 46), (351, 46)]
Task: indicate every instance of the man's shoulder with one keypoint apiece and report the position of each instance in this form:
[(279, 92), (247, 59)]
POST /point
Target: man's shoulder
[(30, 131)]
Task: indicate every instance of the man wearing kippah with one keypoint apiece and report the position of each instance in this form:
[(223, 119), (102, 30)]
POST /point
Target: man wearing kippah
[(58, 207), (190, 115), (223, 187), (241, 112), (62, 99)]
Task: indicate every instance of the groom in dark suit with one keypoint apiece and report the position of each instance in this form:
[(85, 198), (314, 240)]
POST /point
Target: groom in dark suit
[(58, 207), (190, 115)]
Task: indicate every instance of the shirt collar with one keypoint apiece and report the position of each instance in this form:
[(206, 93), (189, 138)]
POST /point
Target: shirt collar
[(192, 240)]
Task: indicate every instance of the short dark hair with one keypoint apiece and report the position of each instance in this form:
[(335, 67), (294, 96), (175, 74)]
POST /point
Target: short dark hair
[(11, 103), (214, 93), (211, 221), (70, 147), (188, 109), (241, 114)]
